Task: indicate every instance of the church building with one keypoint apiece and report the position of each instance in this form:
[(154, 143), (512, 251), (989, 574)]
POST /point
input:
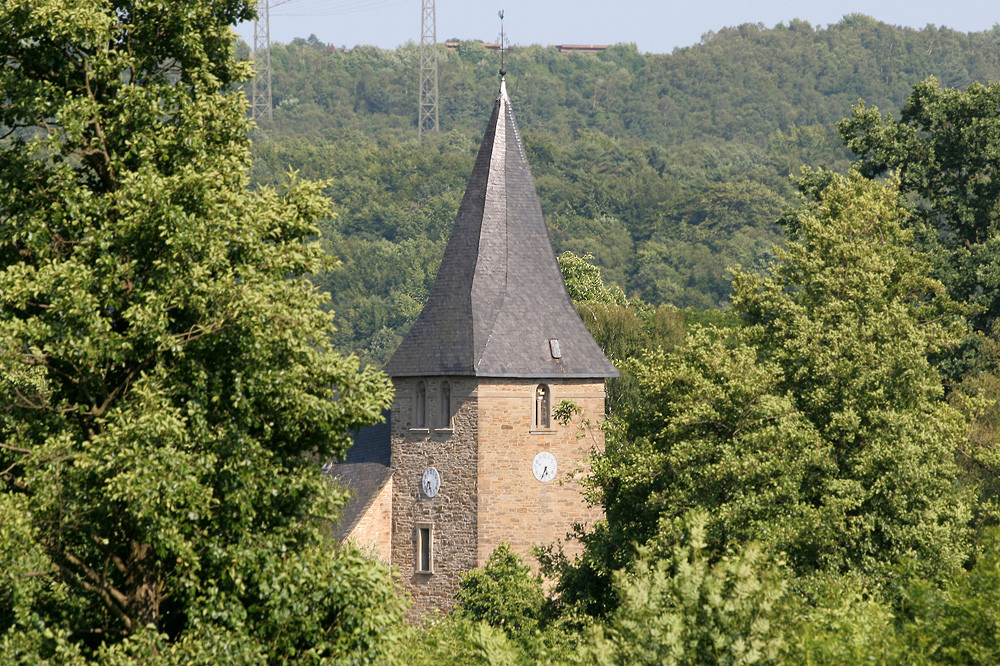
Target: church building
[(472, 454)]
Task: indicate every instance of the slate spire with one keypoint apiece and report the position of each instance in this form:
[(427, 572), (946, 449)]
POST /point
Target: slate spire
[(499, 307)]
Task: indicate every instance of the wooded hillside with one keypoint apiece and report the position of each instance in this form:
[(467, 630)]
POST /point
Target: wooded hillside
[(666, 167)]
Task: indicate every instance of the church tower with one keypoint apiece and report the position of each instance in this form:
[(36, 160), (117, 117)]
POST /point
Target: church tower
[(476, 456)]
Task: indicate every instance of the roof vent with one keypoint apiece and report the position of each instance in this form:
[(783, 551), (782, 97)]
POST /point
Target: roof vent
[(554, 348)]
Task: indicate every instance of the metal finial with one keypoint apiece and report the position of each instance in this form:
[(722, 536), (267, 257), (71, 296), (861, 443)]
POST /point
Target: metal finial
[(503, 68)]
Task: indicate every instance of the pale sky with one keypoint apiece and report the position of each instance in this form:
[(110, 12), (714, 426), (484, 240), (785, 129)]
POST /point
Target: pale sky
[(656, 27)]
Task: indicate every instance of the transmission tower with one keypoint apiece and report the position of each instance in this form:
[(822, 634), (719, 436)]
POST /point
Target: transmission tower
[(427, 118), (260, 106)]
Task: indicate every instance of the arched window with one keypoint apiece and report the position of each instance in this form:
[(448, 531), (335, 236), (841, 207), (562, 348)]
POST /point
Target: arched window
[(445, 405), (543, 407), (420, 406)]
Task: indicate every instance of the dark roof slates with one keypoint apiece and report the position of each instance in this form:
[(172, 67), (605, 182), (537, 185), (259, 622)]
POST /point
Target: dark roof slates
[(364, 472), (499, 296)]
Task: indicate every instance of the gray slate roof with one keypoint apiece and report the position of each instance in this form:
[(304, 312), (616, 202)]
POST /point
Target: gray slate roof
[(365, 471), (499, 297)]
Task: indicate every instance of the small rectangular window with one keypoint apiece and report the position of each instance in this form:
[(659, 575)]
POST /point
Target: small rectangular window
[(420, 405), (425, 549)]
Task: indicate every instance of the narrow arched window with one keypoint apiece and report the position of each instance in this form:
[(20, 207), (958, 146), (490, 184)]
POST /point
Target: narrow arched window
[(543, 407), (420, 406), (445, 405)]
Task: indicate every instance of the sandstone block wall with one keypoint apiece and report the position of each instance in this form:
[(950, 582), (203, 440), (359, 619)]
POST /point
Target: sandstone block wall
[(488, 492), (452, 513), (513, 505), (373, 533)]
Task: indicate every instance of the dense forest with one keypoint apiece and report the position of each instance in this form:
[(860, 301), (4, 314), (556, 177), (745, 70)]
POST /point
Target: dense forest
[(667, 168)]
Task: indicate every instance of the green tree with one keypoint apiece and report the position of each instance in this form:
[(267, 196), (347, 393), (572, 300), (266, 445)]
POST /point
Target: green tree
[(503, 593), (818, 427), (958, 623), (689, 608), (624, 329), (502, 617), (710, 429), (455, 639), (835, 620), (945, 152), (852, 318), (167, 385), (584, 282), (839, 619)]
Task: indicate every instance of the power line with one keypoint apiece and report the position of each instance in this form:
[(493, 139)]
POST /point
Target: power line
[(325, 8), (261, 100)]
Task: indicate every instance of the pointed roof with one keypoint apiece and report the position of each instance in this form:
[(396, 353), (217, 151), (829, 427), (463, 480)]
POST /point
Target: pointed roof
[(499, 300)]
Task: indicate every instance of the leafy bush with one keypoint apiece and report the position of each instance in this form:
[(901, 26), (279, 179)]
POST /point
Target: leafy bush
[(504, 593)]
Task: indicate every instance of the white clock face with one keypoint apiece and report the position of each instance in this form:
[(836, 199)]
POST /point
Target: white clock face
[(431, 483), (544, 466)]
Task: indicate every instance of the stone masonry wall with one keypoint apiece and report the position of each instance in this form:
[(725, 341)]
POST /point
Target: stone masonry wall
[(452, 513), (513, 505), (373, 533)]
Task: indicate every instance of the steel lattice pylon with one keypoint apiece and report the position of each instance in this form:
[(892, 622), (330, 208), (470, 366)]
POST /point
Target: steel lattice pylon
[(260, 105), (427, 118)]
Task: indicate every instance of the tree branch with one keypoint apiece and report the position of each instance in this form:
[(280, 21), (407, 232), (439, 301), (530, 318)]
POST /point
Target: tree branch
[(109, 176), (88, 579), (16, 449), (980, 464)]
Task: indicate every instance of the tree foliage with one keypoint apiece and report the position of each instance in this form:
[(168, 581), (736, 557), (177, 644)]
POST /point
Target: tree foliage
[(688, 609), (584, 282), (819, 427), (166, 379), (503, 593), (945, 152), (852, 317)]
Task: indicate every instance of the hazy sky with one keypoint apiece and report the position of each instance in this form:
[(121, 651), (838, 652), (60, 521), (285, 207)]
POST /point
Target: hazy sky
[(655, 26)]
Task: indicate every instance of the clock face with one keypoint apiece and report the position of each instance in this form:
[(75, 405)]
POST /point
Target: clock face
[(544, 466), (431, 482)]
